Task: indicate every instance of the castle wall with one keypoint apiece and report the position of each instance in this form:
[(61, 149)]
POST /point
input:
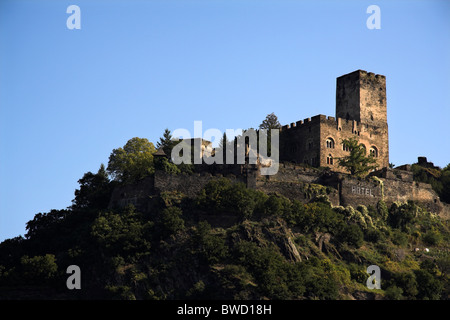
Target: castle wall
[(402, 191), (354, 192), (361, 112), (361, 96), (190, 185), (339, 129), (295, 182), (300, 142), (302, 183), (136, 194), (306, 141)]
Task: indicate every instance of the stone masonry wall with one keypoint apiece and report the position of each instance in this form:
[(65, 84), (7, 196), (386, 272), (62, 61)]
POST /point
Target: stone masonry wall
[(306, 141), (190, 185), (295, 182)]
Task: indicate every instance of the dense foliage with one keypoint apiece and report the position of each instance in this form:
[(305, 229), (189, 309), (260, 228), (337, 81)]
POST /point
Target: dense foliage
[(230, 242), (438, 178), (171, 253), (357, 162)]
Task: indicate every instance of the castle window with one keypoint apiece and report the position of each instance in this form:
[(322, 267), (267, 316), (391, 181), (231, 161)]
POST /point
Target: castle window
[(330, 159), (309, 144), (345, 148), (330, 143), (364, 147), (373, 151)]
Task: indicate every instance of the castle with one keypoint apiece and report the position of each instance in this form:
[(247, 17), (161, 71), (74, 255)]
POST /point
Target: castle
[(360, 112), (317, 141)]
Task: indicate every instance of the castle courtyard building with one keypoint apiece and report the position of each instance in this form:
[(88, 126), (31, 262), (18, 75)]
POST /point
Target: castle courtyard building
[(360, 112)]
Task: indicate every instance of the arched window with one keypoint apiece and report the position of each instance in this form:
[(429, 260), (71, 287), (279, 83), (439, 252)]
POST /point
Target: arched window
[(330, 159), (345, 148), (364, 147), (373, 151), (330, 143)]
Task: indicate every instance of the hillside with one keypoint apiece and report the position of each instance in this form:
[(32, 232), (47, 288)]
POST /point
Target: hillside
[(228, 242)]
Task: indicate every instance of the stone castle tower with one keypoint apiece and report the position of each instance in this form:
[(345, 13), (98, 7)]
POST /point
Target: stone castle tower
[(360, 112)]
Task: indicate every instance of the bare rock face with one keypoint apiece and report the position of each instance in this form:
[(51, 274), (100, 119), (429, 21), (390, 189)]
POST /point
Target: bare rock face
[(322, 240), (275, 231), (282, 236)]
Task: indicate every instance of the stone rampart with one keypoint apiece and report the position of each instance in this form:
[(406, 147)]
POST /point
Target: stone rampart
[(295, 182)]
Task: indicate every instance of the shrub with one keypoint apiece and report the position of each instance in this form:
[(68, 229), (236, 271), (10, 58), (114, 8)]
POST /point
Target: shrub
[(401, 215), (394, 293), (170, 220), (407, 282), (319, 216), (222, 195), (399, 238), (429, 287), (121, 233), (276, 278), (382, 210), (239, 199), (374, 235), (351, 234), (294, 215), (277, 206), (432, 238), (39, 269)]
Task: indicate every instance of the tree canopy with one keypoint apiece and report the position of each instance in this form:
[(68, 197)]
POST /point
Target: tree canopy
[(357, 162), (270, 122), (132, 162), (166, 143)]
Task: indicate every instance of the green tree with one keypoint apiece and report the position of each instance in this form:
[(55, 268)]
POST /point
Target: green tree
[(132, 162), (163, 164), (438, 178), (210, 246), (122, 233), (223, 141), (352, 234), (171, 221), (401, 215), (428, 285), (394, 293), (270, 122), (38, 269), (94, 191), (432, 237), (166, 143), (357, 162), (44, 225), (407, 282), (445, 180)]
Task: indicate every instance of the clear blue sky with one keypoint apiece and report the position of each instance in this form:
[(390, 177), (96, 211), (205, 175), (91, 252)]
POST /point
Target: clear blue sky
[(68, 97)]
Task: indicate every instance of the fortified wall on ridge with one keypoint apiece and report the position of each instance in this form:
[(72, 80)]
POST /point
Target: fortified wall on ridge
[(308, 152), (361, 112)]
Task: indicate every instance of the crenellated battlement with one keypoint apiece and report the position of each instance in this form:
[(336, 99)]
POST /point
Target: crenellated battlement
[(364, 73), (343, 124)]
